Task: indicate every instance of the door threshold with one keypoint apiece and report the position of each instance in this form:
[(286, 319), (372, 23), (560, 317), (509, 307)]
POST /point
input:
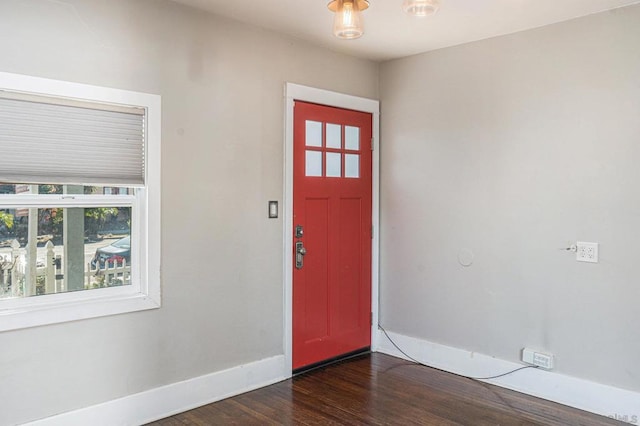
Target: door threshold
[(331, 361)]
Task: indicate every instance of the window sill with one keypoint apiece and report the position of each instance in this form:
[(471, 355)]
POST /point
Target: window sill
[(59, 312)]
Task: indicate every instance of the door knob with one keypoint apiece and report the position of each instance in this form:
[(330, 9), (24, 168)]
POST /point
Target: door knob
[(300, 253)]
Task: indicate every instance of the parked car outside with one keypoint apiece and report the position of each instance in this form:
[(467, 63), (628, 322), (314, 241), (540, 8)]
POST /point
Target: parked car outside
[(114, 253)]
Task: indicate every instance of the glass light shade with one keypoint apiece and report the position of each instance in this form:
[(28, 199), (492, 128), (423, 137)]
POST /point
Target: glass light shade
[(347, 23), (421, 7)]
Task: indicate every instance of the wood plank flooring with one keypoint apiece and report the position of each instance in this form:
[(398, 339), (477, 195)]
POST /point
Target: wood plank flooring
[(378, 389)]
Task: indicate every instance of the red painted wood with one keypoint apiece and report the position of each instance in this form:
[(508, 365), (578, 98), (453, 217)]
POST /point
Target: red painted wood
[(332, 292)]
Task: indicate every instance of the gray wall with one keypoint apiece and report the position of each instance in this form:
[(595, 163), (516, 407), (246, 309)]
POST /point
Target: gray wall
[(510, 147), (222, 146), (513, 148)]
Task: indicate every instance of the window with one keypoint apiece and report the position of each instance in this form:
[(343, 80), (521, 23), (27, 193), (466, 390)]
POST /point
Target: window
[(79, 201), (326, 153)]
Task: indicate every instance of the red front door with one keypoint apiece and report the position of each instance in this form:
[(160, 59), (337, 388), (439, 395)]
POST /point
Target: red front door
[(332, 233)]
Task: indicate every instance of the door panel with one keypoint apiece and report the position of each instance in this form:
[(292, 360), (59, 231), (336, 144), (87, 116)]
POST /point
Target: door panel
[(348, 312), (316, 288), (332, 204)]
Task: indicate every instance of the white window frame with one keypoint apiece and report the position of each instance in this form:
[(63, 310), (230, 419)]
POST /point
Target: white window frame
[(144, 292)]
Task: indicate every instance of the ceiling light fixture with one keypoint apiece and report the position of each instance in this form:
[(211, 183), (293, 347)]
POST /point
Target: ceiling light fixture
[(347, 24), (421, 7)]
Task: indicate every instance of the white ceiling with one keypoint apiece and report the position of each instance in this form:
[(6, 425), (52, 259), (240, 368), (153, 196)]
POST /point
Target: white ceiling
[(390, 33)]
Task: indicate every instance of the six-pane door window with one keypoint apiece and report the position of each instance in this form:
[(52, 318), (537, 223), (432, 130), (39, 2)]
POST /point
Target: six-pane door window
[(332, 150)]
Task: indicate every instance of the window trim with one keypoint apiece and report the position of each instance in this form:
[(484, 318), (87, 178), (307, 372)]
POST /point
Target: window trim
[(64, 307)]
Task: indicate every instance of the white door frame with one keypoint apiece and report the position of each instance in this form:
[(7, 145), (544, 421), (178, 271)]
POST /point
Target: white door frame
[(295, 92)]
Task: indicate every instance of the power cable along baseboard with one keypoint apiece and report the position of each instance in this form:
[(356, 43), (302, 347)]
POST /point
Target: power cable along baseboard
[(410, 358)]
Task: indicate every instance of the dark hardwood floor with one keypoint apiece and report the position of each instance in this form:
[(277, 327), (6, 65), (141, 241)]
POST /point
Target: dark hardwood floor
[(378, 389)]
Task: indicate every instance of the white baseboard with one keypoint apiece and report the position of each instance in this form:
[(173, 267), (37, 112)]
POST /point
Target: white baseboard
[(578, 393), (178, 397), (175, 398)]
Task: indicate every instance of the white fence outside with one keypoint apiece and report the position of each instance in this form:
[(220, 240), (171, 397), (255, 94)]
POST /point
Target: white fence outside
[(49, 276)]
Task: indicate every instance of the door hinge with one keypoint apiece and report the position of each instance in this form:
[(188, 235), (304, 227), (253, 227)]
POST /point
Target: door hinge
[(371, 318), (373, 140), (372, 232)]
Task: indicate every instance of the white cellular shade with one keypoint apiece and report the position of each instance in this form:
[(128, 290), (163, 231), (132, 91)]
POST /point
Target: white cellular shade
[(70, 143)]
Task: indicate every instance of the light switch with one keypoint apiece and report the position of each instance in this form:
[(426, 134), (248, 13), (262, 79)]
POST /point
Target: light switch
[(273, 209)]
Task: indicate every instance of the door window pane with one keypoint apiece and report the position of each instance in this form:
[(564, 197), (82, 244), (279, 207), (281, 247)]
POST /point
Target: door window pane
[(352, 166), (313, 163), (352, 137), (334, 164), (334, 136), (313, 133)]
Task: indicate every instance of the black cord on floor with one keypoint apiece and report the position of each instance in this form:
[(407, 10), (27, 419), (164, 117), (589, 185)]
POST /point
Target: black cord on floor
[(504, 374), (461, 375), (397, 347)]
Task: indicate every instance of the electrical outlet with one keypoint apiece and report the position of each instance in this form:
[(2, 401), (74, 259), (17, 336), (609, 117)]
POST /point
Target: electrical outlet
[(538, 359), (587, 252)]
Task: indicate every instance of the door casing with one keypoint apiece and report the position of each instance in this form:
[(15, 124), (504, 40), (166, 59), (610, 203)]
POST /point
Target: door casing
[(298, 92)]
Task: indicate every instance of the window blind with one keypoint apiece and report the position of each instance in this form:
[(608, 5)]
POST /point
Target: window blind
[(64, 141)]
